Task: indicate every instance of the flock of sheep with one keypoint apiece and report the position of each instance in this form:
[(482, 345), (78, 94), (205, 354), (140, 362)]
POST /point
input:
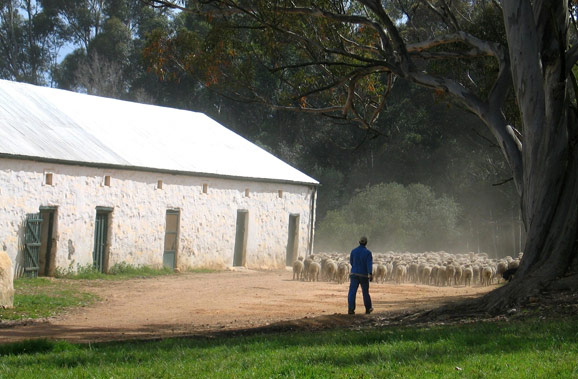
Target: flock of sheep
[(429, 268)]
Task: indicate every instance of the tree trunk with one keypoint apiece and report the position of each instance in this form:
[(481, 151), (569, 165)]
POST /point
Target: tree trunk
[(537, 41), (549, 261)]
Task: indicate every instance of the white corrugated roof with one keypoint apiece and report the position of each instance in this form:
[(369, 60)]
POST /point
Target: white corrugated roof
[(48, 123)]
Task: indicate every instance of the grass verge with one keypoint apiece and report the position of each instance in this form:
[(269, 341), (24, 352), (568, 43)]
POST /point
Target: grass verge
[(119, 271), (44, 297), (530, 348)]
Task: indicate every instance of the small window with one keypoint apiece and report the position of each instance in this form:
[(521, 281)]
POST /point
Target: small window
[(205, 188), (280, 192), (160, 184), (48, 178), (246, 192), (106, 181)]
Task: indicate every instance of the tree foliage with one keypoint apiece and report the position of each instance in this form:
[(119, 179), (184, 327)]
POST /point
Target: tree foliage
[(27, 41)]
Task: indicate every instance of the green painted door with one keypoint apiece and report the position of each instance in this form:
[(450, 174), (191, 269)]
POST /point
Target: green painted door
[(100, 240), (171, 239), (32, 242)]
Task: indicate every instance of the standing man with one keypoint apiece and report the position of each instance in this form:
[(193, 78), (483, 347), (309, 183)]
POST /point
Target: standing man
[(361, 262)]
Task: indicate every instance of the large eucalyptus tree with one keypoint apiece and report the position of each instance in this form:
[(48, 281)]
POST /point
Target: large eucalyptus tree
[(340, 58), (28, 42)]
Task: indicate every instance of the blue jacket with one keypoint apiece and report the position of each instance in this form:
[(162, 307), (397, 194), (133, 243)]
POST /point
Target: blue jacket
[(361, 261)]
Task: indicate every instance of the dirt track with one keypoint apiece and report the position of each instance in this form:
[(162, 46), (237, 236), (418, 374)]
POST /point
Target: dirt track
[(190, 304)]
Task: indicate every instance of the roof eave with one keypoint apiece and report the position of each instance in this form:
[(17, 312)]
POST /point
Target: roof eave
[(153, 170)]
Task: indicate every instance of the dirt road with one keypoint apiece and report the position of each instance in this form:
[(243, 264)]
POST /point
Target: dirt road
[(200, 303)]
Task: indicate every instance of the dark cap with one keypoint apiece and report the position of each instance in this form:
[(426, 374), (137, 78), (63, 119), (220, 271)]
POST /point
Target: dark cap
[(363, 241)]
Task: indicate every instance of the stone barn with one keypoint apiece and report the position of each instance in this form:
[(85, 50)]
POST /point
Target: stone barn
[(86, 180)]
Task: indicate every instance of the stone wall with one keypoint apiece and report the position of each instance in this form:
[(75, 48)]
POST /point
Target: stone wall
[(6, 281), (138, 203)]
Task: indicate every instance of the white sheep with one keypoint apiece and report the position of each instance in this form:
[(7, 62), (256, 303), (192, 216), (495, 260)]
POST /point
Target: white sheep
[(501, 267), (306, 264), (514, 264), (468, 274), (458, 275), (313, 273), (298, 269), (343, 270), (486, 276), (450, 274), (330, 270), (379, 273), (400, 273), (442, 276), (412, 272), (426, 275)]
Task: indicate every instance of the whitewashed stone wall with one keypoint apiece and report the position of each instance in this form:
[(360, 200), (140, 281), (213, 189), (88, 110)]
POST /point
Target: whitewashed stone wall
[(137, 224)]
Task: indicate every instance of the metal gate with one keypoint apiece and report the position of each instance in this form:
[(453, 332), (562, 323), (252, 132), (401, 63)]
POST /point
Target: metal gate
[(100, 240), (32, 244)]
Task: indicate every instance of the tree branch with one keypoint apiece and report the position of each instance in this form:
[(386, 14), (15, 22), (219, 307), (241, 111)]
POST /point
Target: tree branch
[(571, 58), (398, 44), (502, 182), (444, 14), (485, 47)]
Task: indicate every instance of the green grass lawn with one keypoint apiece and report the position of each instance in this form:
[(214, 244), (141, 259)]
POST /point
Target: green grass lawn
[(516, 349), (43, 297)]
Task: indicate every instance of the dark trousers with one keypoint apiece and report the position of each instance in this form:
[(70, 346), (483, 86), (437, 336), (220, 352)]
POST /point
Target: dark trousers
[(354, 283)]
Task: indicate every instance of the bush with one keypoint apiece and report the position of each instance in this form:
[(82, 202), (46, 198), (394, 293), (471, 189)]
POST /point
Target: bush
[(87, 271), (393, 217), (119, 270)]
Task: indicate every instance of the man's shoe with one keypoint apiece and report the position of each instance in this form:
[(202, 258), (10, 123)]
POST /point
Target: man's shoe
[(350, 312), (368, 311)]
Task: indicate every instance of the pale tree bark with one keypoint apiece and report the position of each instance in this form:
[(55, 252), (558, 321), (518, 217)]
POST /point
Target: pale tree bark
[(538, 43)]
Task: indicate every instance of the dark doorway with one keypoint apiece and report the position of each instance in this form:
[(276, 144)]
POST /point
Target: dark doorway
[(47, 252), (293, 239), (240, 257)]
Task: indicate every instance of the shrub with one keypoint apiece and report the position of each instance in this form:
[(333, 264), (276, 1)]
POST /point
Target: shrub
[(393, 217), (119, 270)]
